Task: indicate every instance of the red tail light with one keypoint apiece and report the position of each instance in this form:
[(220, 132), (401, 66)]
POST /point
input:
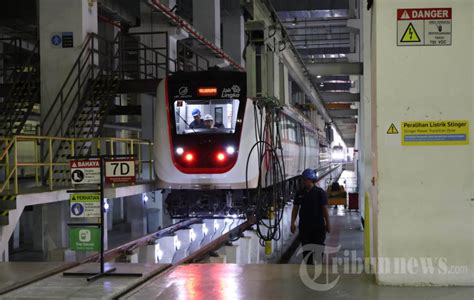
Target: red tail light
[(189, 157), (220, 157)]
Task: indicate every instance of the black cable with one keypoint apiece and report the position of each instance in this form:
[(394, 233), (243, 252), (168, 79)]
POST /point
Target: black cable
[(268, 201)]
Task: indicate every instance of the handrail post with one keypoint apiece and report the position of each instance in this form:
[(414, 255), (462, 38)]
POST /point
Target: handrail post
[(150, 162), (50, 149), (37, 161), (140, 163), (111, 147), (7, 165), (15, 165)]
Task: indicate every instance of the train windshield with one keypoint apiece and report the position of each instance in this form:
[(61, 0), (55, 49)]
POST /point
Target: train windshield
[(206, 116)]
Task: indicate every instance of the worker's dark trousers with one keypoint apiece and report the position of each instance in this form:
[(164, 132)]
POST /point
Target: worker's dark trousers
[(313, 237)]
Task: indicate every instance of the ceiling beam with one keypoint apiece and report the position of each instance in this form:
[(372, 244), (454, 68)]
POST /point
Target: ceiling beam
[(343, 113), (337, 68), (340, 97), (285, 5), (337, 106)]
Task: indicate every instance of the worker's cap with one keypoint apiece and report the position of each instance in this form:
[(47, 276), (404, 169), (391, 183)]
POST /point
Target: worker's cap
[(309, 174), (208, 118), (196, 112)]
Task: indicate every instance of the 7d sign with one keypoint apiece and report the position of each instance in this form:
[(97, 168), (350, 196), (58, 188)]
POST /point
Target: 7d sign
[(120, 171)]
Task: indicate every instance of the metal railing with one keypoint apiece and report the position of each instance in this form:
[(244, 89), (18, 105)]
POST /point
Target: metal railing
[(13, 55), (23, 152), (85, 69)]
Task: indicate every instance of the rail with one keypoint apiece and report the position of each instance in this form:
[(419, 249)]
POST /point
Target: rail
[(20, 157)]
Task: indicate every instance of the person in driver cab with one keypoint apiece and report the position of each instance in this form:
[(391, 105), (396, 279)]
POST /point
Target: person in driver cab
[(208, 122), (198, 122)]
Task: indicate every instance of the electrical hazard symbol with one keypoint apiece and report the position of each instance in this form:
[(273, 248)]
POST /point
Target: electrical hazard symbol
[(392, 129), (410, 35)]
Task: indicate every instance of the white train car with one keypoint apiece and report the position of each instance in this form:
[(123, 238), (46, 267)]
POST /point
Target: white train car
[(207, 165)]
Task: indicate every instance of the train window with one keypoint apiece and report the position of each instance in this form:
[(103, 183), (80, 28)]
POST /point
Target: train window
[(215, 116)]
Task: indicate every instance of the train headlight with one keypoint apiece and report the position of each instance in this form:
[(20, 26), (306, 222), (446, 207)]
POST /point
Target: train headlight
[(179, 151), (230, 150)]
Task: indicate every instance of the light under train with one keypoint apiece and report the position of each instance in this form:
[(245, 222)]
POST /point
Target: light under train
[(209, 170)]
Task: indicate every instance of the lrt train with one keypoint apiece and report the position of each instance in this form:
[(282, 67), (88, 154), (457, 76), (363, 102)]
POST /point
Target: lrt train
[(214, 144)]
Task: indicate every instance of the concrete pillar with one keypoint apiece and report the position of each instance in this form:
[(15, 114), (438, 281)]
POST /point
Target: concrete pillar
[(182, 242), (233, 31), (16, 236), (207, 19), (55, 17), (56, 227), (117, 209), (136, 215), (39, 236), (197, 237), (167, 249), (434, 179), (232, 254), (245, 244), (255, 248)]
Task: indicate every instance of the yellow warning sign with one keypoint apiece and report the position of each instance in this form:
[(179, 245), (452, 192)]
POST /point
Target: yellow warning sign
[(410, 35), (392, 129), (433, 133)]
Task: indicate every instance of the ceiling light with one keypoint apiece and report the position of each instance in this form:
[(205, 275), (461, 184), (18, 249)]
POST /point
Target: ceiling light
[(318, 76), (295, 21)]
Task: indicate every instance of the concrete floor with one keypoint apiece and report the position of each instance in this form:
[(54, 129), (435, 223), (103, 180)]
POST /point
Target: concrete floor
[(218, 281)]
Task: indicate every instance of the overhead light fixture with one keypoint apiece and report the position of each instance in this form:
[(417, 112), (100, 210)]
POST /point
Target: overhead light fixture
[(318, 76), (295, 21), (322, 84)]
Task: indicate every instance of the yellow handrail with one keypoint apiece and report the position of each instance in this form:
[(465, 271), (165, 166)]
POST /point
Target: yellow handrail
[(34, 149)]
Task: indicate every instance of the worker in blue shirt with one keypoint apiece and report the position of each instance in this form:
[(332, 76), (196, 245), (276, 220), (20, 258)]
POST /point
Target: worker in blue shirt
[(198, 122), (311, 204)]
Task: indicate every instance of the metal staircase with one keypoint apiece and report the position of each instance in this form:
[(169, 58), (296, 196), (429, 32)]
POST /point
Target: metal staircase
[(83, 103), (21, 85)]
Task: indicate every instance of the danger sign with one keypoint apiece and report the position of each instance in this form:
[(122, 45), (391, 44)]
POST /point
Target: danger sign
[(424, 27), (85, 171)]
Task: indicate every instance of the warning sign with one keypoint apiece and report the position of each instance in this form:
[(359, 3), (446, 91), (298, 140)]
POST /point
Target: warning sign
[(85, 171), (410, 35), (85, 205), (434, 133), (392, 129), (424, 27)]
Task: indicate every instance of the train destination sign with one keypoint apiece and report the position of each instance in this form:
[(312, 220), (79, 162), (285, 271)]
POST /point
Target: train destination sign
[(424, 27), (434, 133)]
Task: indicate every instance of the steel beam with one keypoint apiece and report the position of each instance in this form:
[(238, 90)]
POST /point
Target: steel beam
[(342, 113), (340, 97), (339, 68)]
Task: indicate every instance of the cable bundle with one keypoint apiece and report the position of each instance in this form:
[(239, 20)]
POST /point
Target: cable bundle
[(267, 200)]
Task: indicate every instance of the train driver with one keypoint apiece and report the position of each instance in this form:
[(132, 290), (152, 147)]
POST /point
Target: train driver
[(198, 122)]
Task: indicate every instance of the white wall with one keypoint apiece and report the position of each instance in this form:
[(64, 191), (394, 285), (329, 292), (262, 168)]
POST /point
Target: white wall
[(61, 16), (424, 192)]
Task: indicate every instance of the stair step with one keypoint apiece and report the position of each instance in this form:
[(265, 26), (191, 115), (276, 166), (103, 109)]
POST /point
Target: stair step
[(4, 218), (7, 202)]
